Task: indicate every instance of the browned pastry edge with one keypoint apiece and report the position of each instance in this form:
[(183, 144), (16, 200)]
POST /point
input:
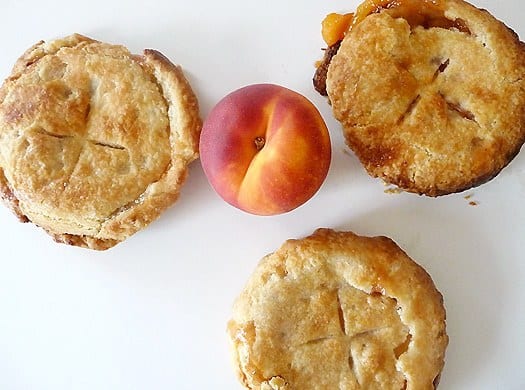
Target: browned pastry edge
[(436, 192), (7, 196), (83, 241), (319, 79)]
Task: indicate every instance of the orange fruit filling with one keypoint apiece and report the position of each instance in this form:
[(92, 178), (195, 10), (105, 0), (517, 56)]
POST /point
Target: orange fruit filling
[(334, 27), (426, 13)]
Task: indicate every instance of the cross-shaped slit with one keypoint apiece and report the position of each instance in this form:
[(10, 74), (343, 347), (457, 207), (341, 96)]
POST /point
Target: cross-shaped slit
[(367, 332), (409, 109), (462, 112), (83, 143), (341, 314), (109, 145), (87, 113), (353, 342), (442, 67), (451, 106), (352, 366), (403, 347), (318, 340), (43, 131)]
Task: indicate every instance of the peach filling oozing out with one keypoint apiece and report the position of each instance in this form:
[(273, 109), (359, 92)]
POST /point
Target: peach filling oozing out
[(425, 13)]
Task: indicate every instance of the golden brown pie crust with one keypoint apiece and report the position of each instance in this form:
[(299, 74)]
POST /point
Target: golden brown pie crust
[(338, 311), (94, 141), (432, 109)]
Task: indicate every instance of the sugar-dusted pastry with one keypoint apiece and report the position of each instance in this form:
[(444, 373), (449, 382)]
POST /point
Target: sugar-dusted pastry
[(338, 311), (94, 141), (430, 93)]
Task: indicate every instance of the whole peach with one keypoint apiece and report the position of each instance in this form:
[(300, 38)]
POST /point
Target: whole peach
[(265, 149)]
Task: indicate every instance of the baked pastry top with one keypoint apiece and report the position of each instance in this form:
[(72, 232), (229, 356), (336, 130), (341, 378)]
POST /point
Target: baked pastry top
[(94, 141), (430, 94), (338, 311)]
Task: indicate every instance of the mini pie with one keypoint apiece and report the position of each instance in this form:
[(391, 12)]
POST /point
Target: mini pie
[(338, 311), (430, 93), (94, 141)]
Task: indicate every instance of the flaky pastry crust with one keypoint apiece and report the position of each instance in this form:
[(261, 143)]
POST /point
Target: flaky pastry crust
[(433, 110), (338, 311), (94, 141)]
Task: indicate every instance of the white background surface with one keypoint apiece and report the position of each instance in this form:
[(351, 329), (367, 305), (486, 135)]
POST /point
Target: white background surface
[(151, 313)]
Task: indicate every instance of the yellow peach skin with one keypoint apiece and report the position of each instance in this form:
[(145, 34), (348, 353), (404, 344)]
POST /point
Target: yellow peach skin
[(265, 149)]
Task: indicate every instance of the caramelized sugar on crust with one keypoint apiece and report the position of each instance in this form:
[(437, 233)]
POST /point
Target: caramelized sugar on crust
[(94, 142), (338, 311), (431, 100)]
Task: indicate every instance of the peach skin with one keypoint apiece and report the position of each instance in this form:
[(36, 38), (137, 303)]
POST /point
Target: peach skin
[(265, 149)]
